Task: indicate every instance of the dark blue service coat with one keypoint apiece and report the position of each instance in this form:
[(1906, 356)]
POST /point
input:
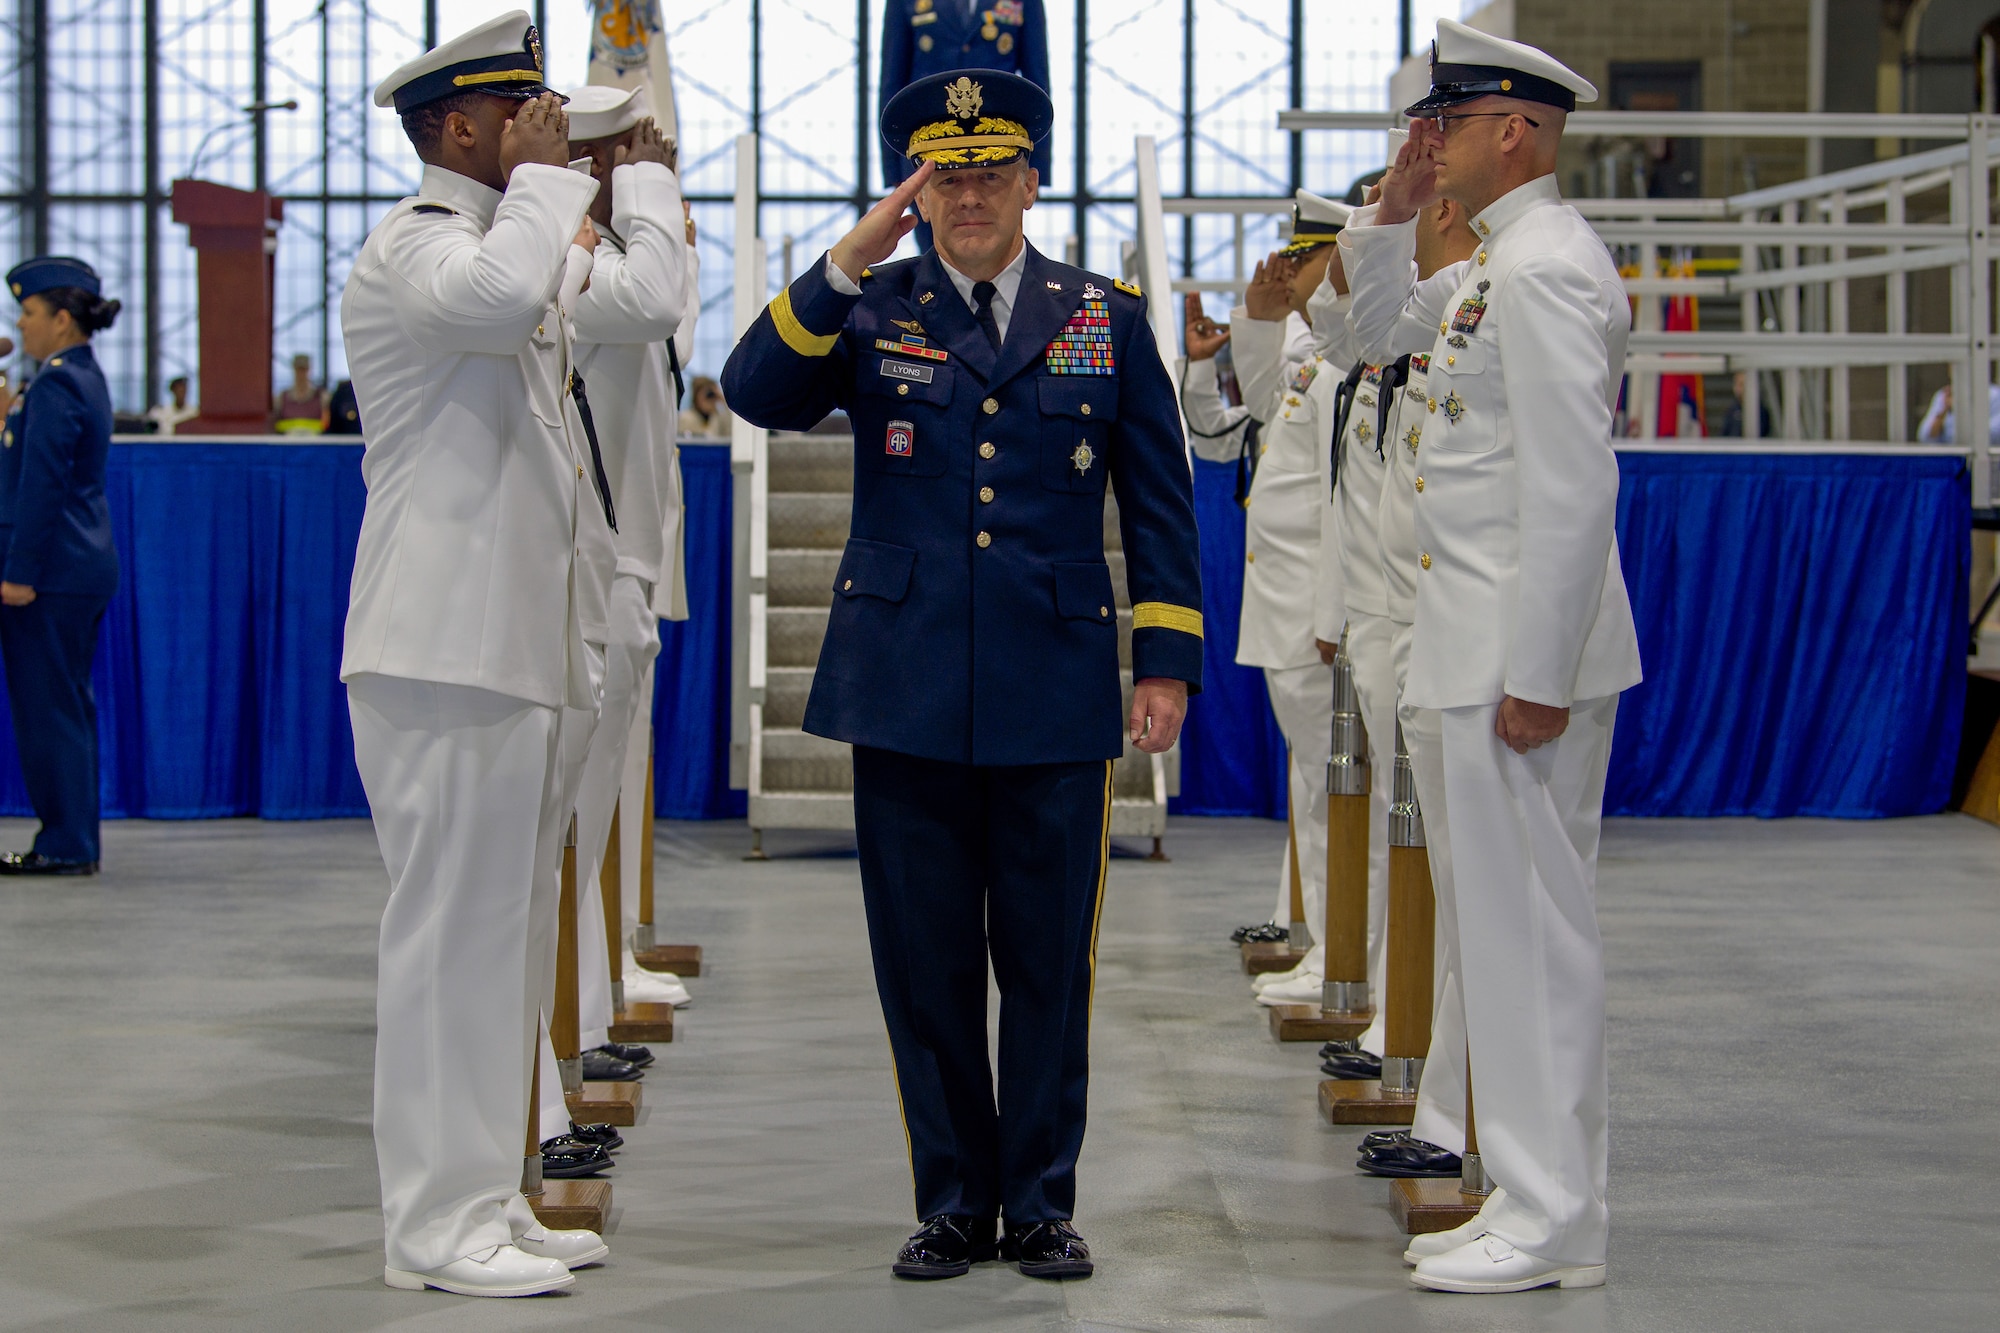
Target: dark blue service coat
[(973, 619), (920, 39), (55, 528)]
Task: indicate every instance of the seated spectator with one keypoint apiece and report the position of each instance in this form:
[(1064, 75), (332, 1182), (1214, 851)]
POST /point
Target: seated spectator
[(1940, 423), (300, 409), (706, 414), (167, 416)]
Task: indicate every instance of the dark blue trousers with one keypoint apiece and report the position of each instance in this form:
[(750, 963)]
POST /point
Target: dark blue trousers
[(47, 647), (960, 864)]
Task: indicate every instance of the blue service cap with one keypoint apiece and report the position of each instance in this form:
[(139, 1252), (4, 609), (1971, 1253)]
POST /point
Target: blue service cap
[(967, 118), (46, 272)]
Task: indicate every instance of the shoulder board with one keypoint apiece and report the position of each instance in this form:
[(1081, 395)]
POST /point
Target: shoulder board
[(434, 208), (1126, 287)]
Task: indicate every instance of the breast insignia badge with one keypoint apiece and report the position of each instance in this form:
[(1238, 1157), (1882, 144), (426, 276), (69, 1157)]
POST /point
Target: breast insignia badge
[(1092, 292), (1415, 433), (902, 439), (1363, 431), (1083, 458), (908, 326), (1453, 408)]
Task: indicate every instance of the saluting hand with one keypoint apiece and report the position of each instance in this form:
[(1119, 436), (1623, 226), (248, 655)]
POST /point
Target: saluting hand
[(1269, 295), (1204, 336), (648, 145), (538, 132), (1158, 708), (1410, 185), (882, 228)]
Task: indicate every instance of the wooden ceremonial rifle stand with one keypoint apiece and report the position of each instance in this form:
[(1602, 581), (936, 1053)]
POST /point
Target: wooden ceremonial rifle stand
[(1412, 924), (629, 1022), (1433, 1204), (683, 960), (564, 1204), (234, 234), (589, 1103), (1286, 954), (1344, 1011)]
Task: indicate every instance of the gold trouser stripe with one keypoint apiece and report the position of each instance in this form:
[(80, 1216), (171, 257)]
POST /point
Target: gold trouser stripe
[(1165, 615), (794, 333), (909, 1145), (1103, 868)]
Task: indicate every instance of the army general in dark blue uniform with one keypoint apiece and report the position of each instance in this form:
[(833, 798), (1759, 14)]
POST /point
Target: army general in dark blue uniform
[(972, 653), (58, 567)]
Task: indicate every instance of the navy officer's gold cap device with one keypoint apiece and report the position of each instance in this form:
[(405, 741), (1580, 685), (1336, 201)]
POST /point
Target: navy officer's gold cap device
[(1467, 63), (1316, 221), (32, 277), (502, 57), (967, 118)]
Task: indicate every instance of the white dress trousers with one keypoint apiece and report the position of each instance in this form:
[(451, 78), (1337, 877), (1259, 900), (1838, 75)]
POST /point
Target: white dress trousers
[(1302, 698), (456, 778), (1440, 1111), (1380, 656), (1525, 910)]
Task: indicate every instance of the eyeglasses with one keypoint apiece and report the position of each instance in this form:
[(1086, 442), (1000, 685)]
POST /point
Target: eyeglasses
[(1443, 122)]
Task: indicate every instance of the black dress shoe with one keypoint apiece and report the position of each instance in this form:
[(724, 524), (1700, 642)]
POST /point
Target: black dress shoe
[(1352, 1065), (1377, 1138), (1047, 1249), (601, 1067), (566, 1157), (636, 1056), (947, 1245), (34, 863), (1268, 933), (1410, 1159), (606, 1137)]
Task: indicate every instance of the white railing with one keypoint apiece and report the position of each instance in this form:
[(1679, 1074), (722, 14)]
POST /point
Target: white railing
[(750, 546), (1797, 248)]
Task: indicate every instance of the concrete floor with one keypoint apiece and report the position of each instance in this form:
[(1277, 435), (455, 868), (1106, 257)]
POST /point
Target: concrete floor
[(1805, 1043)]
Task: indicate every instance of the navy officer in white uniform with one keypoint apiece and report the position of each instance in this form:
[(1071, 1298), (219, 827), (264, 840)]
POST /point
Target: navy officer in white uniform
[(1523, 637)]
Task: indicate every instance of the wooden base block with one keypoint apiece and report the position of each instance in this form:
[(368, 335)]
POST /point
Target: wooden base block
[(1424, 1206), (643, 1023), (606, 1104), (683, 960), (1309, 1022), (569, 1204), (1269, 956), (1360, 1102)]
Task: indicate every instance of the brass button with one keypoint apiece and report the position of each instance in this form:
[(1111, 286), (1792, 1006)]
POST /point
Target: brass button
[(850, 583), (1482, 257), (1086, 409), (1425, 559), (986, 495), (990, 406), (1291, 402), (903, 390), (987, 450), (538, 331), (1420, 485), (1443, 329), (985, 539), (1250, 557), (1431, 404), (579, 472), (1451, 361), (1103, 610)]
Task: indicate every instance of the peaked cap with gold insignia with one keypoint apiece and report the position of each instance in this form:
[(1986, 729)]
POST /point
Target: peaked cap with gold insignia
[(967, 118)]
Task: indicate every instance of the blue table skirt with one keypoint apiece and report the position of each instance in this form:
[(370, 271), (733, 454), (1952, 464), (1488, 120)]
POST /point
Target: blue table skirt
[(1802, 621)]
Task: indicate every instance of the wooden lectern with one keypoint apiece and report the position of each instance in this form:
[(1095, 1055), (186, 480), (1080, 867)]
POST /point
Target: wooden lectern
[(235, 238)]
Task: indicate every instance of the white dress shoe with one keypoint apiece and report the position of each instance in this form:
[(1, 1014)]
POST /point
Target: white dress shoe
[(571, 1249), (642, 986), (1490, 1265), (1443, 1242), (1264, 979), (500, 1271), (1303, 989)]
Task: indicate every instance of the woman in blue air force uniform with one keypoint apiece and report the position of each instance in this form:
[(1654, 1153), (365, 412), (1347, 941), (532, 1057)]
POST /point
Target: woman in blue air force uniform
[(58, 567)]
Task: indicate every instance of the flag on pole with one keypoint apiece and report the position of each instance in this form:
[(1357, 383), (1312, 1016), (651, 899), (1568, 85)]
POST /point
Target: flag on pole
[(628, 49)]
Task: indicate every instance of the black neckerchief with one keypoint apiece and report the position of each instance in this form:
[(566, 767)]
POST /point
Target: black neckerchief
[(1343, 406), (1394, 376), (596, 455)]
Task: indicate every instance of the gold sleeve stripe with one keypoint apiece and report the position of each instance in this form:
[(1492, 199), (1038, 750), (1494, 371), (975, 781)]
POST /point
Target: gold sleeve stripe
[(1165, 615), (794, 333)]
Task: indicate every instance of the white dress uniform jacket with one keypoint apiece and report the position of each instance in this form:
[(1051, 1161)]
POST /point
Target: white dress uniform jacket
[(465, 569), (1519, 589), (1290, 513), (1364, 465), (635, 302)]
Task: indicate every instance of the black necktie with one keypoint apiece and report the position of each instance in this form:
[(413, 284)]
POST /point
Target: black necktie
[(982, 310)]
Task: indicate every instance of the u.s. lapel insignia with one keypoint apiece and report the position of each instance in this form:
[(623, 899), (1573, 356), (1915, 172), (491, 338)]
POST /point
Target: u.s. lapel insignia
[(1055, 286), (1453, 408), (1411, 437), (1083, 458), (908, 325)]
